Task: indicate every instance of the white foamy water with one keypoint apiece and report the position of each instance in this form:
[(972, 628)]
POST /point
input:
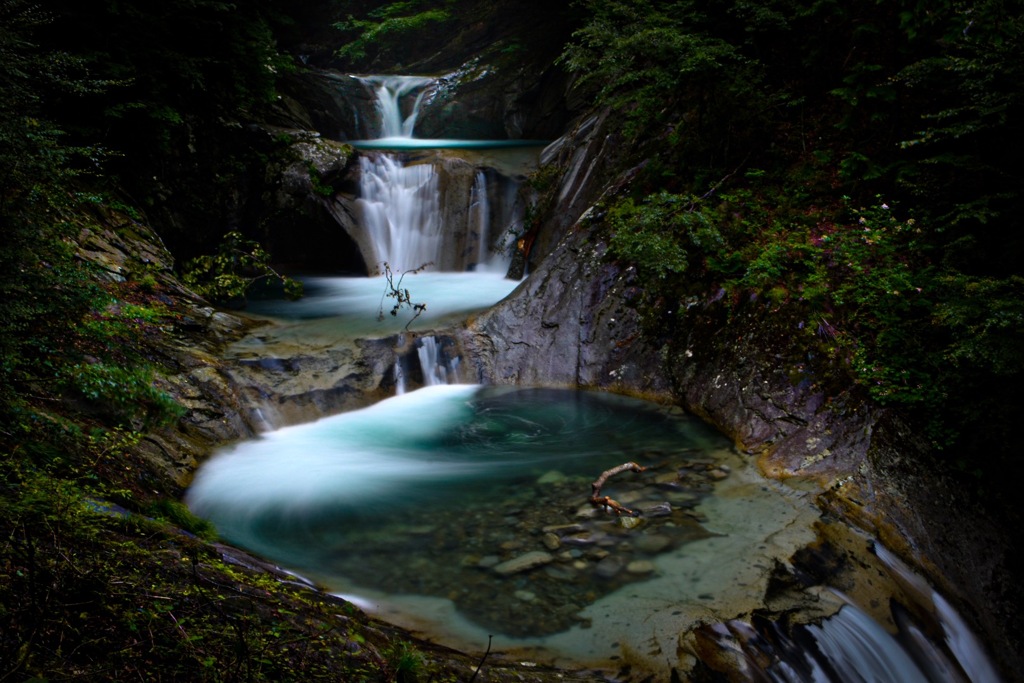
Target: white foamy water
[(401, 211), (353, 458), (397, 115)]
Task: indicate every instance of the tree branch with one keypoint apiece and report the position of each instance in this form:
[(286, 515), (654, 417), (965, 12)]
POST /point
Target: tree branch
[(597, 500)]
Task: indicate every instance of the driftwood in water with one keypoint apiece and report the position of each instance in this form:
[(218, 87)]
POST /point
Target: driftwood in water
[(598, 500)]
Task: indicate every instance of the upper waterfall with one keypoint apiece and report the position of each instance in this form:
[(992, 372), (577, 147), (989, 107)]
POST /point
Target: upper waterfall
[(397, 116), (452, 204)]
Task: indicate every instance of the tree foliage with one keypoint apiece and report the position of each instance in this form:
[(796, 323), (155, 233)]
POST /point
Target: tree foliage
[(387, 27), (70, 354), (847, 159)]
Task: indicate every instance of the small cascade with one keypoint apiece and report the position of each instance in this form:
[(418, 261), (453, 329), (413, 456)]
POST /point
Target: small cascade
[(927, 641), (480, 218), (399, 370), (851, 647), (854, 647), (401, 211), (391, 91), (435, 370)]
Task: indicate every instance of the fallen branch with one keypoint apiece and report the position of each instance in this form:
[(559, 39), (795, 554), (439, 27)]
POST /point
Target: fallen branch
[(597, 500), (482, 659)]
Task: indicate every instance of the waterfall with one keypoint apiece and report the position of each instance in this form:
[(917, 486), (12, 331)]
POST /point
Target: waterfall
[(856, 648), (422, 205), (480, 218), (399, 370), (419, 206), (433, 366), (390, 92), (401, 211)]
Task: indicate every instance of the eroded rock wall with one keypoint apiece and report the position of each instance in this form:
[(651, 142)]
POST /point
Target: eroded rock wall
[(188, 354)]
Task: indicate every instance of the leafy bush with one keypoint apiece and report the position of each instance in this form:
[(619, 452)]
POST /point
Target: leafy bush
[(227, 276), (663, 233), (860, 272)]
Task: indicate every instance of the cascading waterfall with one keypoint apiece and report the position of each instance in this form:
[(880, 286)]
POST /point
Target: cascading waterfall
[(401, 211), (481, 216), (435, 367), (427, 211), (432, 363), (390, 91)]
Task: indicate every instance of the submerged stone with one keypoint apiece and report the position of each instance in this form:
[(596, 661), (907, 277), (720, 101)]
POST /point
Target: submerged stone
[(628, 522), (488, 561), (662, 509), (551, 541), (551, 477), (609, 567), (652, 544), (524, 563), (640, 567)]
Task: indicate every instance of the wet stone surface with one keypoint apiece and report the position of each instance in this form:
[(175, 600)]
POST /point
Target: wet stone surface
[(526, 562)]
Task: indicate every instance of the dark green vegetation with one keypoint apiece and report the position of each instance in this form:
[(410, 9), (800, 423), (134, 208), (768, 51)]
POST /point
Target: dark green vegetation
[(386, 28), (847, 163), (238, 265), (91, 593)]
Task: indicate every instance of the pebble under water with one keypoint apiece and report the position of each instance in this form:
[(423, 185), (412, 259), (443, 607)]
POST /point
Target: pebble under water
[(476, 498)]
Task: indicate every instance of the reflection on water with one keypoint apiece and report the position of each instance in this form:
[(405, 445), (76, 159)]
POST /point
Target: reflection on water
[(407, 143)]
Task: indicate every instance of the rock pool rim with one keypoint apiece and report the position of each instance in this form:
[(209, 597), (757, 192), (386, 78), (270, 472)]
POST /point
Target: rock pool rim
[(403, 143)]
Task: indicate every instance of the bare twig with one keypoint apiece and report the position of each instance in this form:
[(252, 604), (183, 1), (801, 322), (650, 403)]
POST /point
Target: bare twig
[(401, 296)]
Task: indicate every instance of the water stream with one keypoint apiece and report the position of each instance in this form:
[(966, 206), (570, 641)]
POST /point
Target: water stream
[(462, 511)]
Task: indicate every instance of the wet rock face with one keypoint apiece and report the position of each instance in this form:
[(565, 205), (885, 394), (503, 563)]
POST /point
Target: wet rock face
[(331, 103), (305, 195), (570, 323), (756, 373), (482, 101), (191, 372), (283, 385)]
